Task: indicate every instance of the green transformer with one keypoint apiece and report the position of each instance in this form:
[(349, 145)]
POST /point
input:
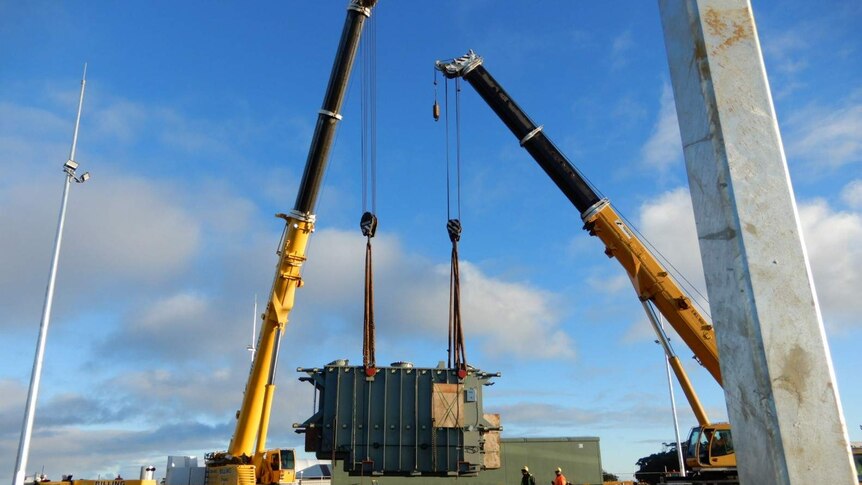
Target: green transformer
[(401, 420)]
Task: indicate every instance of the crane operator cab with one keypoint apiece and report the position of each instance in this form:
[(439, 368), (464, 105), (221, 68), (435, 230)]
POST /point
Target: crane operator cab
[(279, 466), (710, 447)]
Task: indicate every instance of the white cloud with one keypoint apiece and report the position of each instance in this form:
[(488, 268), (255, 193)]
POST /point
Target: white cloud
[(195, 352), (610, 284), (119, 231), (121, 120), (639, 331), (506, 318), (132, 226), (832, 238), (174, 329), (851, 194), (29, 121), (534, 418), (517, 319), (663, 149), (137, 418), (785, 49), (828, 138), (667, 221), (167, 313), (12, 401), (90, 452), (621, 45), (209, 394)]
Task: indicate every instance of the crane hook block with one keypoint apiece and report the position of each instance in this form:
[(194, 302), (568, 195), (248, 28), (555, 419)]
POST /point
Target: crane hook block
[(368, 224), (454, 228), (436, 111)]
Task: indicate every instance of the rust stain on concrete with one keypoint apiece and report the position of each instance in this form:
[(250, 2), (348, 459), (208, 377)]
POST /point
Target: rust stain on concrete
[(732, 25), (795, 373)]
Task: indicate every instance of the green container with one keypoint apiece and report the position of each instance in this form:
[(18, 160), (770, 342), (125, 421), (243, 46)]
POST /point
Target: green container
[(579, 457)]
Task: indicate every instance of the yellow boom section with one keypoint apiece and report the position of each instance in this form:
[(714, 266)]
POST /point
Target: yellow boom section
[(652, 282), (257, 399)]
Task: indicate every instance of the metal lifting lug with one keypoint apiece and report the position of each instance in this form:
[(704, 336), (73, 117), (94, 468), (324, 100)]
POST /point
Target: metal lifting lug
[(287, 276)]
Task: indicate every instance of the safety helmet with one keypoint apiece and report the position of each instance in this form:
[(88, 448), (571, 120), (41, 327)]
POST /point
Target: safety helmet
[(525, 469), (558, 470)]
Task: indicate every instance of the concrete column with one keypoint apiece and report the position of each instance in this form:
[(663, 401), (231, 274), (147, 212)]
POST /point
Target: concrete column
[(782, 399)]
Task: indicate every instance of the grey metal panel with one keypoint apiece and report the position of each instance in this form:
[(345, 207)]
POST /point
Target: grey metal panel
[(177, 476), (387, 424), (197, 475)]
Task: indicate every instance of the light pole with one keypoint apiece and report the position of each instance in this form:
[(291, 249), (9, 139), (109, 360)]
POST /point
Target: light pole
[(69, 169), (669, 354), (673, 410)]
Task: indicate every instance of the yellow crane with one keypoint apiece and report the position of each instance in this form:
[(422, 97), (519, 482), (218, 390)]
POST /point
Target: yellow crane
[(247, 461), (710, 448)]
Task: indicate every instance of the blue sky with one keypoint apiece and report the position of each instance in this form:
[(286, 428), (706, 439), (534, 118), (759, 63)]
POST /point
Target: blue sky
[(196, 125)]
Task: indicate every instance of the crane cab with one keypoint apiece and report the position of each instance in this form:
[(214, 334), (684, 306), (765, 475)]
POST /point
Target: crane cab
[(279, 466), (710, 448)]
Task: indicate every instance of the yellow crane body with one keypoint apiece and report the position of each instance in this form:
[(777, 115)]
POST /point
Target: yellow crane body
[(250, 436), (652, 282), (247, 461)]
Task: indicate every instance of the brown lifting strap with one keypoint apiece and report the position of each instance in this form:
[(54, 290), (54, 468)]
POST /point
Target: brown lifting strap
[(457, 349), (368, 224)]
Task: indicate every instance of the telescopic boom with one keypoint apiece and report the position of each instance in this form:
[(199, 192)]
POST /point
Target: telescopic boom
[(650, 279), (253, 420)]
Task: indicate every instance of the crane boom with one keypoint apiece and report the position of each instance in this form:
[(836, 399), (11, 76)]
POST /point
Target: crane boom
[(253, 417), (650, 279)]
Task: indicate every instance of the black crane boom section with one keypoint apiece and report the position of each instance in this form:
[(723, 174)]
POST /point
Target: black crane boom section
[(531, 137)]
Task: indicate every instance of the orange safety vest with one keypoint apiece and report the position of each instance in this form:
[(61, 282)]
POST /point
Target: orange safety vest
[(560, 480)]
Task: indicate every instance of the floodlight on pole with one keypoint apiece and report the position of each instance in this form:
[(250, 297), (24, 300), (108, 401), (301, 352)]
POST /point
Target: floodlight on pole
[(69, 167)]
